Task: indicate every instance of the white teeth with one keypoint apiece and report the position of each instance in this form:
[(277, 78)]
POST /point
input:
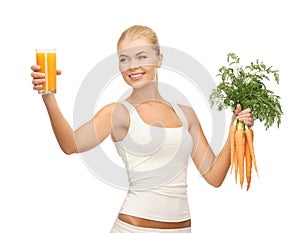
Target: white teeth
[(135, 75)]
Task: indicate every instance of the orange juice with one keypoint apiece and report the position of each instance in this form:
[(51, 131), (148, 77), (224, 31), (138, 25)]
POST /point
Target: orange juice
[(46, 59)]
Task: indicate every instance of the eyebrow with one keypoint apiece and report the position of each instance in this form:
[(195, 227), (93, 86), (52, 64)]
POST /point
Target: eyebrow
[(124, 55)]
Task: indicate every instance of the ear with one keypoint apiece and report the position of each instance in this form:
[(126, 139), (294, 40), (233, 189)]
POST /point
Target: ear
[(160, 60)]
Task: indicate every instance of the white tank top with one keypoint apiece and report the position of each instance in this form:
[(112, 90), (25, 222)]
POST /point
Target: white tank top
[(156, 160)]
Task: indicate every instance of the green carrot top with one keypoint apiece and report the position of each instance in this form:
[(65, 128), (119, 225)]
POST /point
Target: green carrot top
[(245, 85)]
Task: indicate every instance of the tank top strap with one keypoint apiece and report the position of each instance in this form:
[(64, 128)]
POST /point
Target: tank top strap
[(128, 106), (180, 114)]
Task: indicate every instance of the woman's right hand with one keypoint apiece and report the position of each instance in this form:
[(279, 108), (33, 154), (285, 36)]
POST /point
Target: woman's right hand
[(38, 78)]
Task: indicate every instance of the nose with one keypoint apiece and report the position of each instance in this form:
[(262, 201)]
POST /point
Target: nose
[(133, 64), (128, 66)]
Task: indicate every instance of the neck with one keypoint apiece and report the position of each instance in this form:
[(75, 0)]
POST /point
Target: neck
[(147, 91)]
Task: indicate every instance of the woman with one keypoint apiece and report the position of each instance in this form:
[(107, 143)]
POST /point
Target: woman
[(155, 139)]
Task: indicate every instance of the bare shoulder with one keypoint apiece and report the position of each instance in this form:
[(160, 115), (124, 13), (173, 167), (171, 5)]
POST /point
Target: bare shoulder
[(185, 108), (114, 109), (116, 113), (105, 110), (189, 114)]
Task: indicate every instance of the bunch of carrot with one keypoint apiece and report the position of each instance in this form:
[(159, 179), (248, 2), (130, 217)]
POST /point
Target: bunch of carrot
[(242, 151), (247, 86)]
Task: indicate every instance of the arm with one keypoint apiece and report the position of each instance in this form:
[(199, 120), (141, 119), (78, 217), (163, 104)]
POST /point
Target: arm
[(216, 173), (85, 137), (62, 130), (213, 168)]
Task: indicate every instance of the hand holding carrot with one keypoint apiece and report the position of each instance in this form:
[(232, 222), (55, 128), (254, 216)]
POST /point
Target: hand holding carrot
[(244, 86), (245, 116)]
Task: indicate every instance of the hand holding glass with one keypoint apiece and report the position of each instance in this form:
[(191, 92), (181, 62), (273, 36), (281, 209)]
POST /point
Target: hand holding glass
[(46, 59)]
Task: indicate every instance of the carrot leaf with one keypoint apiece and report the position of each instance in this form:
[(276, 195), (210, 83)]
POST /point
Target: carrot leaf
[(247, 85)]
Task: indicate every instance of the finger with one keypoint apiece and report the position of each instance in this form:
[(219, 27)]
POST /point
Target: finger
[(245, 115), (35, 67), (247, 110), (37, 87), (58, 72), (38, 81), (238, 109), (250, 123), (37, 75), (246, 120)]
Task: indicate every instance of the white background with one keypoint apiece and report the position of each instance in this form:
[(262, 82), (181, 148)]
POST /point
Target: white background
[(43, 190)]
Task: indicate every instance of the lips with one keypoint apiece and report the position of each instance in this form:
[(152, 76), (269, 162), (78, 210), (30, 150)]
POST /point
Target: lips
[(136, 76)]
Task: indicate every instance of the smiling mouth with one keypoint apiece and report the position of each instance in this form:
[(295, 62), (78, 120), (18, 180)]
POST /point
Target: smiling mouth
[(136, 76)]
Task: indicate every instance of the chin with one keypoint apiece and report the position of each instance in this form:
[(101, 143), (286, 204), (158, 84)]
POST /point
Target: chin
[(142, 83)]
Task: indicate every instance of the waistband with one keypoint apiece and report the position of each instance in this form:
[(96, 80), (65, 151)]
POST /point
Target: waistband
[(123, 227)]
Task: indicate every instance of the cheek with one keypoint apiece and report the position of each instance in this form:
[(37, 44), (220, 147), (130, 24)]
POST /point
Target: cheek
[(123, 68), (124, 74), (149, 69), (126, 78)]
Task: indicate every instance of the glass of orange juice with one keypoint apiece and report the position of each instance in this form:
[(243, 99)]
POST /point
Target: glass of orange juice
[(46, 59)]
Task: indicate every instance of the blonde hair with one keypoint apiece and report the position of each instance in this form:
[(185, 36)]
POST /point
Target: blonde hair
[(139, 32)]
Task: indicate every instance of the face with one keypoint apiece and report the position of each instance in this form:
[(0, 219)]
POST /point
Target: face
[(138, 61)]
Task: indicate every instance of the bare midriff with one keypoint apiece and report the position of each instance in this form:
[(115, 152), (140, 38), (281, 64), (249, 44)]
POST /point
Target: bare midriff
[(142, 222)]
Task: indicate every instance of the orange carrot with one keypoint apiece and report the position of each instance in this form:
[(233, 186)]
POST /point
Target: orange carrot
[(248, 164), (250, 136), (236, 165), (232, 144), (240, 149)]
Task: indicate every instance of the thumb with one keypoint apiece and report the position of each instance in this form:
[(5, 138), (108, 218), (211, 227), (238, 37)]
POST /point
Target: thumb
[(238, 109), (58, 72)]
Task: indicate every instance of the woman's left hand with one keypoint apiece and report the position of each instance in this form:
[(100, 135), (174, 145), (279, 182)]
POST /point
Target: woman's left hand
[(246, 115)]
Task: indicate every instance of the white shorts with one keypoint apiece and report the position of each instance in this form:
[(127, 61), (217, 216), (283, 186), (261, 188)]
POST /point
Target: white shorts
[(123, 227)]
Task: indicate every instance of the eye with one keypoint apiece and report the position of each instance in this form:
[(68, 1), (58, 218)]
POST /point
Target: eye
[(142, 57), (123, 60)]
